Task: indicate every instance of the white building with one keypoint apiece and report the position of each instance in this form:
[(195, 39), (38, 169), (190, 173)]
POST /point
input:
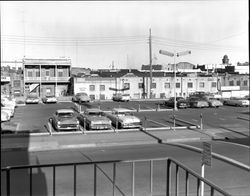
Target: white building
[(103, 85)]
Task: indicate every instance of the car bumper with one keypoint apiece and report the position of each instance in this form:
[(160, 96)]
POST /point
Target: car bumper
[(135, 125), (67, 127), (100, 127)]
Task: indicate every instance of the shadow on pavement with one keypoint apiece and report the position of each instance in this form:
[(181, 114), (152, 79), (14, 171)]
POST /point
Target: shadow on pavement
[(22, 182)]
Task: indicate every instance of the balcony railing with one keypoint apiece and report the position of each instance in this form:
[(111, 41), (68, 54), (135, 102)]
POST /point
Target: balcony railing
[(172, 183), (47, 79)]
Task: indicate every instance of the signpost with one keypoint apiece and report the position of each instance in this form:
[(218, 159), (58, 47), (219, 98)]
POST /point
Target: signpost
[(206, 160)]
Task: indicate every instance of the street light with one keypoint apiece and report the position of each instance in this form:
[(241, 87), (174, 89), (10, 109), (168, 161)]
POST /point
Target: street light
[(164, 52)]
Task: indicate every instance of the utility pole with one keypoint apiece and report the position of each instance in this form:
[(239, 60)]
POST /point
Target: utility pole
[(150, 62)]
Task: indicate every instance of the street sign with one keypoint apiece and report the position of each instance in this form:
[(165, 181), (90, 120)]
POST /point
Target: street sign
[(207, 154)]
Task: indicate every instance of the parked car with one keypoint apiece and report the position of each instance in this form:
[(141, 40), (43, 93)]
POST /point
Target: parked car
[(4, 116), (49, 99), (8, 109), (32, 99), (121, 97), (235, 101), (198, 103), (246, 97), (214, 103), (123, 118), (180, 102), (9, 101), (94, 119), (81, 97), (65, 119)]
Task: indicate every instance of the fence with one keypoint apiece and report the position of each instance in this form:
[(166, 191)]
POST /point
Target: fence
[(172, 182)]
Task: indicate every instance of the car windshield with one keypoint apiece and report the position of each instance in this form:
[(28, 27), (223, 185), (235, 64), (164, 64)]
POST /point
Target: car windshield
[(94, 113), (66, 114), (81, 94), (31, 96)]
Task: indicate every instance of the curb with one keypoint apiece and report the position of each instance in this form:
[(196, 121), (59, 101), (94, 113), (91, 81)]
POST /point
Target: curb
[(55, 146)]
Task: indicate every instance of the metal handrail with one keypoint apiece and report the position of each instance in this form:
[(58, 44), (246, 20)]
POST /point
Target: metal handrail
[(112, 179)]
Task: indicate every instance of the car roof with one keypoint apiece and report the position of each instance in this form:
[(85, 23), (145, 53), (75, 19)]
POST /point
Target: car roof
[(122, 110), (65, 111)]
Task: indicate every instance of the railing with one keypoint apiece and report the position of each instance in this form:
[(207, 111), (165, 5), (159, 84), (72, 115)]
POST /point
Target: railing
[(171, 181), (47, 78)]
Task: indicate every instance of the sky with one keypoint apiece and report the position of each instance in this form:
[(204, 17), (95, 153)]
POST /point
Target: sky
[(98, 34)]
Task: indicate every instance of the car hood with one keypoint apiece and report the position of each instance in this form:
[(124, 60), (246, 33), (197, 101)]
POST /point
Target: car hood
[(98, 118), (129, 119), (68, 120), (32, 98)]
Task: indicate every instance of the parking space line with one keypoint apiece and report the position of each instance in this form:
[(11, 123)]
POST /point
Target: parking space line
[(17, 127), (157, 123)]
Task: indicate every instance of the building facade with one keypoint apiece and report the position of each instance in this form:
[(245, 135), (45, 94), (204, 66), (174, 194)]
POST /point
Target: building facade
[(137, 84), (11, 80), (46, 76)]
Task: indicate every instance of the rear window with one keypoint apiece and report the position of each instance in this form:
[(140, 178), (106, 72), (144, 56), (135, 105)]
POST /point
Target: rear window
[(66, 114)]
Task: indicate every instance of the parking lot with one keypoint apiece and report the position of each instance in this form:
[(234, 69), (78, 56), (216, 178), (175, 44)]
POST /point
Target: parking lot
[(34, 118)]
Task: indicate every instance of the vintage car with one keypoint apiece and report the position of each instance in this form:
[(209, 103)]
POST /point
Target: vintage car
[(65, 119), (9, 101), (32, 99), (4, 116), (93, 119), (180, 102), (214, 103), (121, 97), (123, 118), (196, 102), (81, 97), (49, 99), (236, 101), (8, 109)]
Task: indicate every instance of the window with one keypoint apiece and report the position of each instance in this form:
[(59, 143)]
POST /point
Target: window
[(126, 85), (167, 85), (231, 83), (213, 84), (48, 90), (245, 83), (190, 85), (140, 85), (30, 74), (91, 87), (92, 97), (47, 73), (178, 85), (202, 84), (37, 74), (60, 73), (153, 85), (238, 83), (102, 97), (102, 87)]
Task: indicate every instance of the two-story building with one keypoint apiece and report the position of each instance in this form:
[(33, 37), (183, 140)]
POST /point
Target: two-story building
[(46, 76)]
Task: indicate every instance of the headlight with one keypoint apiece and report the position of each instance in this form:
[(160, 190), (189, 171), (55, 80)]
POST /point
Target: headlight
[(77, 121), (58, 122)]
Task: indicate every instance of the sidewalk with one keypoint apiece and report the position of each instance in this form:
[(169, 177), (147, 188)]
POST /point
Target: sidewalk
[(80, 140)]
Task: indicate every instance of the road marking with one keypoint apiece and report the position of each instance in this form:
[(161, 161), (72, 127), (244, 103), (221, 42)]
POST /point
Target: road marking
[(195, 120)]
